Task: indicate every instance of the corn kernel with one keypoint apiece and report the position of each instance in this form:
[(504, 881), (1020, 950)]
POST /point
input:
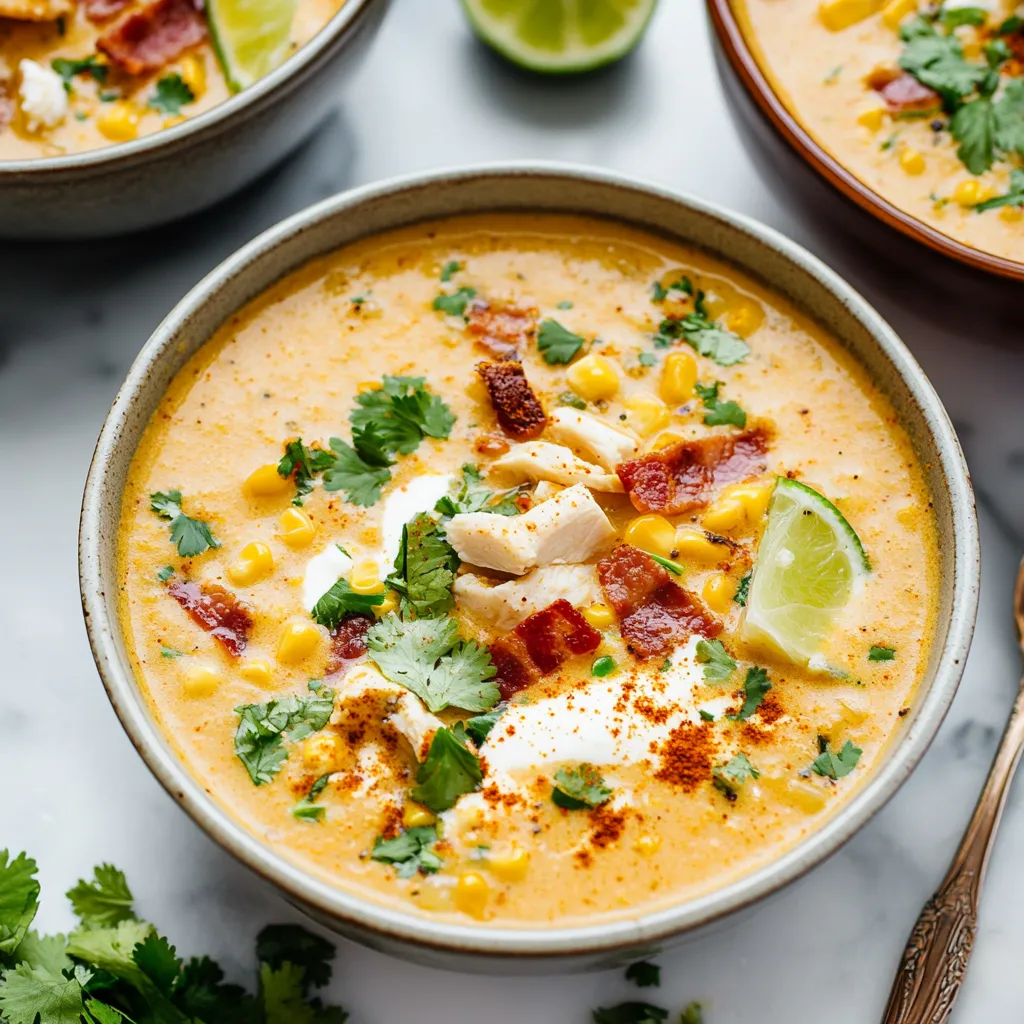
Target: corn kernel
[(201, 681), (908, 515), (967, 193), (647, 844), (806, 796), (745, 318), (299, 639), (365, 578), (664, 440), (472, 893), (432, 896), (725, 515), (255, 562), (600, 616), (509, 867), (193, 73), (912, 161), (678, 377), (256, 671), (753, 498), (872, 119), (297, 530), (593, 378), (652, 533), (120, 122), (647, 414), (389, 604), (266, 482), (173, 122), (693, 546), (416, 816), (837, 15), (718, 591), (321, 753), (1011, 214), (895, 11)]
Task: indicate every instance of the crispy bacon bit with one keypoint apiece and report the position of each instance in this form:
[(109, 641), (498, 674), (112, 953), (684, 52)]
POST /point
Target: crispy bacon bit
[(217, 610), (684, 475), (520, 413), (906, 95), (655, 613), (491, 444), (103, 10), (348, 642), (504, 330), (153, 35), (540, 644)]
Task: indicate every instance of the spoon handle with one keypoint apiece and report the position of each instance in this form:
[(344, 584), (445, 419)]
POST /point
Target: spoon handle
[(935, 959)]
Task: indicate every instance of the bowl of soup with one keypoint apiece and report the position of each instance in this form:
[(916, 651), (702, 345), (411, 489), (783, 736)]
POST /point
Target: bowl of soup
[(117, 115), (912, 111), (526, 566)]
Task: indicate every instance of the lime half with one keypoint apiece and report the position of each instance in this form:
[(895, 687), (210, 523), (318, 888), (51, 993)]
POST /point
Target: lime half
[(809, 563), (251, 37), (560, 36)]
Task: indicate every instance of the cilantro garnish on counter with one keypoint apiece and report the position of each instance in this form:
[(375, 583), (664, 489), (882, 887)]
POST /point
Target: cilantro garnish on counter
[(451, 770), (644, 974), (727, 778), (342, 600), (410, 852), (832, 765), (579, 788), (755, 686), (475, 496), (718, 665), (170, 95), (192, 536), (719, 412), (424, 569), (881, 653), (644, 1013), (557, 344)]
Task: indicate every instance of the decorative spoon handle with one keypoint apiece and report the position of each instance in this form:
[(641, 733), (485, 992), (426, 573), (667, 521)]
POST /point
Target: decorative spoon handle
[(935, 959)]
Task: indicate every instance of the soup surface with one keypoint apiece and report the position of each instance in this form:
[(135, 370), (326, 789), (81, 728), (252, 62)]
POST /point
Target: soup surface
[(436, 568), (76, 75), (925, 105)]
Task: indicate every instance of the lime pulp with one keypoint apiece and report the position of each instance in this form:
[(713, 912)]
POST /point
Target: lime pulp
[(251, 37)]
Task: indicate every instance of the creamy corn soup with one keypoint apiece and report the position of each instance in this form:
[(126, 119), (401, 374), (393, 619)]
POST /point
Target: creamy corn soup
[(525, 569), (76, 75), (923, 102)]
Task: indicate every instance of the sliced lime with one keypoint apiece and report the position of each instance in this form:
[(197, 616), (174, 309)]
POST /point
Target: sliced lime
[(251, 37), (560, 36), (809, 563)]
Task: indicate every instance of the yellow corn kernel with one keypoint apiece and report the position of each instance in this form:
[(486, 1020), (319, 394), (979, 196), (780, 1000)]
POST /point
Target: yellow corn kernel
[(321, 753), (256, 670), (365, 578), (872, 119), (593, 378), (1011, 214), (119, 122), (912, 161), (600, 616), (664, 440), (693, 546), (416, 816), (678, 376), (647, 844), (725, 515), (367, 385), (896, 10), (908, 515), (431, 896), (647, 414), (967, 193), (718, 591), (172, 122), (389, 604), (745, 318), (255, 562), (652, 533), (837, 15), (753, 497), (193, 73), (201, 681), (299, 639), (297, 529), (807, 796), (266, 482), (511, 866), (472, 893)]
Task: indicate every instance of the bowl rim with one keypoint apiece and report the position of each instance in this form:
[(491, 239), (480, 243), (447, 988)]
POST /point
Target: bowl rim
[(211, 121), (757, 84), (364, 916)]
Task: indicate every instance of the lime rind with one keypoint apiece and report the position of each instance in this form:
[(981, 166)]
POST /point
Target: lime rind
[(250, 37), (560, 37)]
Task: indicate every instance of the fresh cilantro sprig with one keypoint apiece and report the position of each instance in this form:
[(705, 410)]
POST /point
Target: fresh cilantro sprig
[(454, 303), (579, 788), (743, 589), (424, 569), (402, 412), (307, 809), (105, 901), (755, 687), (630, 1013), (191, 536), (411, 852), (704, 336), (479, 728), (719, 413), (303, 465), (475, 496), (450, 770), (557, 344), (718, 664), (67, 69), (342, 600), (19, 900), (832, 765), (171, 93), (879, 652), (727, 778), (357, 479)]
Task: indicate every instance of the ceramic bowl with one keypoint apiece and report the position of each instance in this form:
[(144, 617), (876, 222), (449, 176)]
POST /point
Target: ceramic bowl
[(750, 91), (172, 173), (784, 268)]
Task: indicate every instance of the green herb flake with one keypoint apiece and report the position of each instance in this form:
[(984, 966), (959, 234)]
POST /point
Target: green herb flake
[(170, 95), (340, 601), (835, 766), (833, 76), (191, 536), (171, 652), (455, 303), (644, 974), (410, 852), (165, 573), (579, 788), (570, 398), (450, 770), (475, 496), (67, 69), (1013, 197), (727, 778), (719, 413), (556, 343), (308, 809), (449, 270), (424, 569), (565, 304), (718, 665), (630, 1013), (743, 589), (706, 716), (647, 359), (755, 687), (706, 337), (880, 653), (479, 727), (673, 567)]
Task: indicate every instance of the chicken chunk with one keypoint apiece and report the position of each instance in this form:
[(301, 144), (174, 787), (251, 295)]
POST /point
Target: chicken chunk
[(593, 438), (505, 605), (35, 10), (542, 460)]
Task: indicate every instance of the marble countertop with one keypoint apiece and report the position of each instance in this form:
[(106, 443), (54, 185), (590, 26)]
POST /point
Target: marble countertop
[(72, 318)]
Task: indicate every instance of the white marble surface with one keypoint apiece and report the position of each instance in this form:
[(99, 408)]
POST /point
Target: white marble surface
[(73, 317)]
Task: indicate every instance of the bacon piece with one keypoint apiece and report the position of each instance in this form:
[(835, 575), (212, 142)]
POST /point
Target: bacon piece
[(348, 642), (153, 35), (104, 10), (501, 329), (684, 475), (540, 644), (655, 613), (217, 610), (520, 413), (906, 95)]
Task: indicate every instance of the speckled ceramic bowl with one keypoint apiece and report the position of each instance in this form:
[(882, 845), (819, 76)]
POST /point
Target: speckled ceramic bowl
[(177, 171), (783, 267)]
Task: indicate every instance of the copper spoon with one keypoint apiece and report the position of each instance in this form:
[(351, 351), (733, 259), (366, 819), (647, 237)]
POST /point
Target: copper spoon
[(935, 960)]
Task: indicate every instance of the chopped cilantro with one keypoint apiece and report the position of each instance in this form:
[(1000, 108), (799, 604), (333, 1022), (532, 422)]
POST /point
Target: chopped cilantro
[(953, 17), (479, 728), (192, 536), (455, 304), (706, 716), (19, 900), (692, 1014), (890, 142), (719, 412), (880, 653), (974, 127), (666, 664), (556, 344), (835, 766), (727, 778), (402, 411), (165, 573), (67, 69), (647, 359), (1014, 197), (410, 852), (170, 95), (171, 652), (718, 665), (602, 667), (449, 270), (1012, 25), (360, 482), (743, 589), (755, 686), (475, 496), (342, 600), (449, 771), (644, 974), (424, 570), (682, 284), (565, 304), (307, 809), (579, 788), (303, 464), (937, 61), (570, 398), (630, 1013), (708, 338)]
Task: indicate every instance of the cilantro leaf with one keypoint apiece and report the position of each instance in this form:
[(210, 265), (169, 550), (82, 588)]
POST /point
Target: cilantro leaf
[(67, 69), (158, 960), (449, 270), (192, 536), (360, 482), (1015, 196), (880, 653), (103, 1014), (403, 412), (31, 994), (455, 303), (938, 61), (644, 974), (262, 727), (1009, 116), (410, 852), (19, 899), (708, 338), (475, 496), (954, 17), (449, 771), (111, 950), (556, 343), (692, 1014), (279, 944), (755, 687), (170, 95), (103, 902), (729, 777), (718, 665), (630, 1013), (342, 600), (835, 766), (719, 412), (424, 570), (743, 589), (570, 398), (46, 951), (579, 788), (164, 574), (974, 127), (479, 728), (307, 809), (303, 464)]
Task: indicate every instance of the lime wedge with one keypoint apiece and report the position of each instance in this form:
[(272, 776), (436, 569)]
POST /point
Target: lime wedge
[(809, 563), (560, 36), (251, 37)]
